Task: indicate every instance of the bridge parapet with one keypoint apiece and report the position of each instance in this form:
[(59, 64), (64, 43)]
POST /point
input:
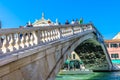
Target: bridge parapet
[(39, 53), (17, 39)]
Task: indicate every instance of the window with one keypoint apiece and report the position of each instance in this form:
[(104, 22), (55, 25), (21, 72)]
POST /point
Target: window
[(115, 55), (73, 56), (113, 45), (119, 44)]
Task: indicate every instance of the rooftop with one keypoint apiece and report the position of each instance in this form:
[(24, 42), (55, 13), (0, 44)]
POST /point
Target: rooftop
[(116, 39)]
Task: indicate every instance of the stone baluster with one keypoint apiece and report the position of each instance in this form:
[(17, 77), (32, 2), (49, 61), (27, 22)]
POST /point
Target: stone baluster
[(35, 37), (51, 32), (46, 36), (64, 32), (17, 38), (31, 39), (57, 32), (22, 40), (67, 32), (81, 30), (54, 34), (1, 44), (11, 39), (72, 30), (84, 27), (26, 39), (39, 36), (43, 36), (8, 42), (90, 27), (60, 32), (49, 36), (5, 44)]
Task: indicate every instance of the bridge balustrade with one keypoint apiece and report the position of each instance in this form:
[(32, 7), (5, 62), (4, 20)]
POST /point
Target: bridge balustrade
[(18, 39)]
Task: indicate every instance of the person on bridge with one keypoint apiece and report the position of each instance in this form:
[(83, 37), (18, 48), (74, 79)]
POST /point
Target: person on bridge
[(76, 22), (67, 22), (73, 22), (81, 21)]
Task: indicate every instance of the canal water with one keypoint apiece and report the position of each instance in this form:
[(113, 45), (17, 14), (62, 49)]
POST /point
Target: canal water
[(91, 76)]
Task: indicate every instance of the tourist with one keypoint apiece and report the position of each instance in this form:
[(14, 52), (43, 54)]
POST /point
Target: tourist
[(81, 21), (2, 39), (76, 22), (21, 27), (67, 22), (73, 22), (29, 24)]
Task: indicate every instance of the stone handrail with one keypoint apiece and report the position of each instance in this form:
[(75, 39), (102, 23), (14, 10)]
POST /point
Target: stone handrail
[(20, 38)]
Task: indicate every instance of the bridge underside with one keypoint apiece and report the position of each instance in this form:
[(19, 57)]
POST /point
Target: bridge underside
[(92, 55)]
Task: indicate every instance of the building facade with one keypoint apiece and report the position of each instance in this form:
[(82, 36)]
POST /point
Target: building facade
[(113, 47)]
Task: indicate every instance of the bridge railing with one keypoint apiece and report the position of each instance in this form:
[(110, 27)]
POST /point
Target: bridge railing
[(20, 38)]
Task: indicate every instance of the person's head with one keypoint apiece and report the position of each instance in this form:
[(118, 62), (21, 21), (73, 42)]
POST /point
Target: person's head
[(76, 19)]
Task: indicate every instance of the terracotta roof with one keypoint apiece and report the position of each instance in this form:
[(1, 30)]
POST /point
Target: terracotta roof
[(113, 41)]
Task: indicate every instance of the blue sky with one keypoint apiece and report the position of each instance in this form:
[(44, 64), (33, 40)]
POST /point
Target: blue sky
[(105, 14)]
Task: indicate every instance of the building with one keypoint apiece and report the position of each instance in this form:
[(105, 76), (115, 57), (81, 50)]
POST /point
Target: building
[(74, 56), (113, 47), (44, 22)]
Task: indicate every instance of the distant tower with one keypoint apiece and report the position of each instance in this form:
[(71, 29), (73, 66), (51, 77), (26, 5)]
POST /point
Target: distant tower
[(42, 15)]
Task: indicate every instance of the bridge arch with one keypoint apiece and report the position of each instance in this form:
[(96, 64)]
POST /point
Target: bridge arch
[(90, 35)]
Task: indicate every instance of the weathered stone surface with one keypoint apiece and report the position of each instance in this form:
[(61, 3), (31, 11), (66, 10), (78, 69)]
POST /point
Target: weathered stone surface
[(51, 61), (44, 70), (57, 55), (58, 52), (31, 71), (16, 75), (50, 50), (20, 63), (58, 67), (4, 70), (7, 59), (38, 56)]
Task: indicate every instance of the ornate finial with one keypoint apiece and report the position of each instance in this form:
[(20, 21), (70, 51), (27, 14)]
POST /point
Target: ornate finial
[(29, 23), (57, 23), (42, 15), (56, 20)]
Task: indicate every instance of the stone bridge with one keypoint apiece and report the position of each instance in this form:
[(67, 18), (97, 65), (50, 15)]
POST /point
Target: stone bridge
[(38, 53)]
